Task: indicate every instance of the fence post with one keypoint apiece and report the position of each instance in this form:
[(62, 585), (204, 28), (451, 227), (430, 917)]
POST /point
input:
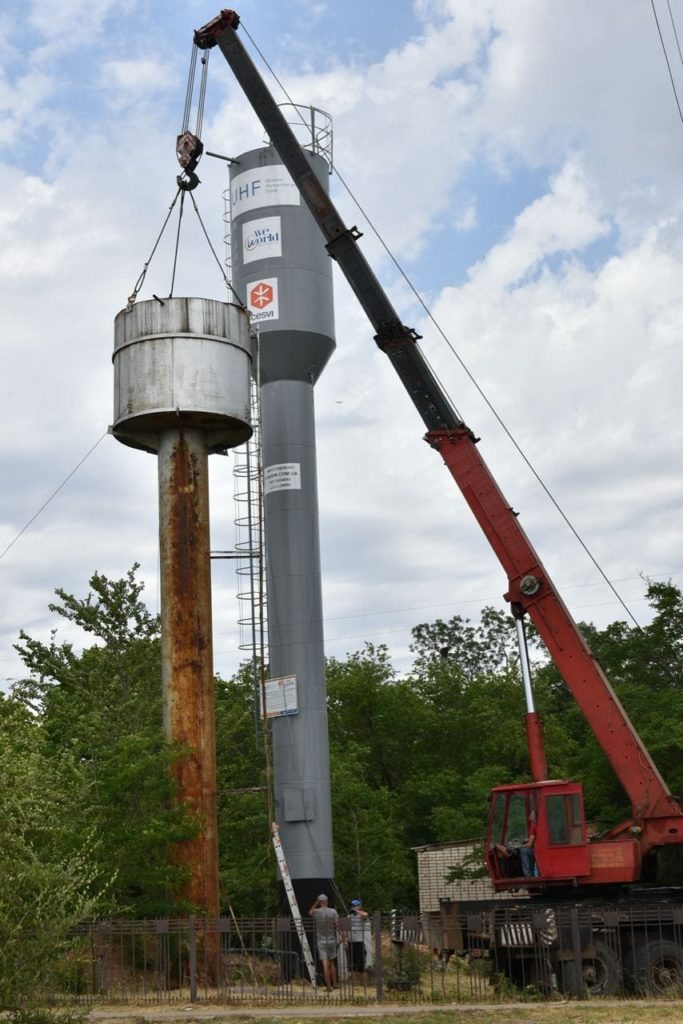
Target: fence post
[(379, 966), (577, 972), (192, 935)]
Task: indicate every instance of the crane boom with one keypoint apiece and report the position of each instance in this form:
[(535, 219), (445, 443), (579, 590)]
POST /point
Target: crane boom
[(530, 589)]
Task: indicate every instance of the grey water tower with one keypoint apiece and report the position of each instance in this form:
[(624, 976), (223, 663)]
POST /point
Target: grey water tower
[(284, 275)]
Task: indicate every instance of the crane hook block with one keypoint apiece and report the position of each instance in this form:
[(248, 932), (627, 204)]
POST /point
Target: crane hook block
[(187, 181), (189, 149), (205, 37)]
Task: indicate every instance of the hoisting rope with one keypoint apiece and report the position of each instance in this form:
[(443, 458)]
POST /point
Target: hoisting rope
[(189, 149), (202, 94), (140, 281), (177, 243), (189, 146), (189, 90), (138, 284), (228, 282)]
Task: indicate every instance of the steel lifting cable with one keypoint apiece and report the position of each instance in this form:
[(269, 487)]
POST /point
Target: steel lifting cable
[(459, 358), (202, 94), (228, 282), (140, 281), (177, 243), (190, 91), (190, 88)]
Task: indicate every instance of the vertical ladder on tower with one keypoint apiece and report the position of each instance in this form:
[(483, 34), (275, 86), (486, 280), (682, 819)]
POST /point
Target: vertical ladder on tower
[(293, 905)]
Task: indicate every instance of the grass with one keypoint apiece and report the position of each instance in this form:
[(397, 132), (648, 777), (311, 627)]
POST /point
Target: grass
[(549, 1013)]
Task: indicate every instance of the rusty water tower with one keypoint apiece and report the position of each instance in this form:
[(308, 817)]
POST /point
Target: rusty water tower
[(181, 390)]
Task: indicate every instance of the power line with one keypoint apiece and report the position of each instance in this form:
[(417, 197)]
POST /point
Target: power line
[(53, 495), (673, 26), (480, 602), (666, 57)]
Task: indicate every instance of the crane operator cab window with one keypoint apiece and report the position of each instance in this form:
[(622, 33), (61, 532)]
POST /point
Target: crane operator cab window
[(565, 821), (536, 834), (512, 834)]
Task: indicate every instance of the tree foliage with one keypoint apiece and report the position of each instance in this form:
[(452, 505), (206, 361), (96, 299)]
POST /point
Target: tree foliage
[(48, 881), (100, 711), (412, 757)]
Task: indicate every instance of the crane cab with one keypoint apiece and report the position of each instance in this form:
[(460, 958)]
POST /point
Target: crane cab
[(537, 834)]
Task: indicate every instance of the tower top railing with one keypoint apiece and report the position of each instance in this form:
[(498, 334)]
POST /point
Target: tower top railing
[(312, 127)]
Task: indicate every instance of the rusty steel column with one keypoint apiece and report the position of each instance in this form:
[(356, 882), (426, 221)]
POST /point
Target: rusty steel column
[(187, 650)]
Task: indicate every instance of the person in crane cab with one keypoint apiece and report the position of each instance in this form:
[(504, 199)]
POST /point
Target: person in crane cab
[(526, 851)]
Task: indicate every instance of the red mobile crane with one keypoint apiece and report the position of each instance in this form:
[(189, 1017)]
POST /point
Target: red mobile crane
[(564, 855)]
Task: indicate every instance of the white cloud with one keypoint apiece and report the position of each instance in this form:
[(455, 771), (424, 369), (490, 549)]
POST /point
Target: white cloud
[(570, 314), (22, 104), (71, 23), (466, 217), (563, 220), (136, 78)]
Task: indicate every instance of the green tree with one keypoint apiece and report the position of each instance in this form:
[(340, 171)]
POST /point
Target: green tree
[(645, 667), (412, 757), (468, 679), (247, 861), (372, 858), (48, 881), (102, 709), (486, 647)]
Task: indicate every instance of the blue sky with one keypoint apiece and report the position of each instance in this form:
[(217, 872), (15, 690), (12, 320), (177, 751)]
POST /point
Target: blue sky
[(522, 160)]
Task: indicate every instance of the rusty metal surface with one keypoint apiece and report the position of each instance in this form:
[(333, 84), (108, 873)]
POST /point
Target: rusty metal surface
[(187, 650)]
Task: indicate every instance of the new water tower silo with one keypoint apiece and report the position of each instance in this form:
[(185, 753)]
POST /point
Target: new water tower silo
[(284, 275), (181, 390)]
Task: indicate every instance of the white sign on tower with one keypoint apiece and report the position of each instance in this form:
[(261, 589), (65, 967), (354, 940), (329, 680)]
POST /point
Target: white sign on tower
[(263, 186), (280, 696), (261, 239)]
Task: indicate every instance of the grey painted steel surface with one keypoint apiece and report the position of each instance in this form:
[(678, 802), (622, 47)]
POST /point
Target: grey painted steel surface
[(297, 342), (186, 362), (276, 244), (295, 632)]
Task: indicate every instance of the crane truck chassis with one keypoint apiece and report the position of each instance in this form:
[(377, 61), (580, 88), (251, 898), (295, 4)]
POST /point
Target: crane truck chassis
[(577, 947), (578, 922)]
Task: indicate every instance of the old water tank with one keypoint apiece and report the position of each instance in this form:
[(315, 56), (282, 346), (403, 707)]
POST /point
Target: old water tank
[(182, 362)]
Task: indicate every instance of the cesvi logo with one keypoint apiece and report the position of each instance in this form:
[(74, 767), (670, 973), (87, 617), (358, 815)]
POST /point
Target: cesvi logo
[(261, 295), (263, 299)]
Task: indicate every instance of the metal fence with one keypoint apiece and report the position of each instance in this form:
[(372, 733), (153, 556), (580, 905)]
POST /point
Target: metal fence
[(464, 953)]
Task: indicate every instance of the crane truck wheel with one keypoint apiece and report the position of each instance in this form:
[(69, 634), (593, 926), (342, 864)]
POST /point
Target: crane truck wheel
[(602, 973), (655, 967)]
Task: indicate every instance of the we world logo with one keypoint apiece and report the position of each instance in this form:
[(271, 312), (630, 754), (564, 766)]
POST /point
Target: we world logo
[(261, 239)]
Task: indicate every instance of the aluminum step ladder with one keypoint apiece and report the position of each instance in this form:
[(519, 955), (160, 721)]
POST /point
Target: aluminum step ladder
[(293, 905)]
